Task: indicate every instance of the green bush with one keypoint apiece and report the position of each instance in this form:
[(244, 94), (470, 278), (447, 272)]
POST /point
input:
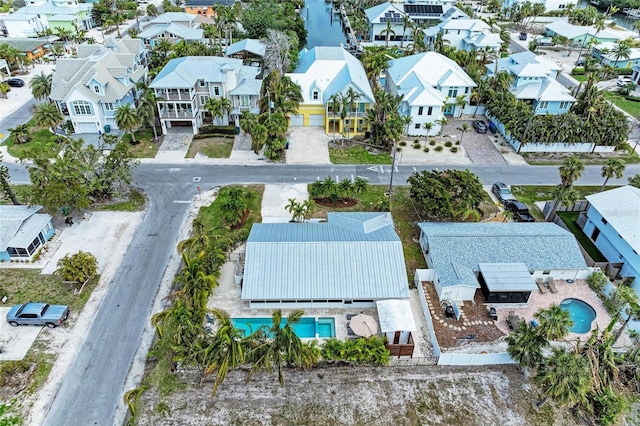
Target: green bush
[(448, 144), (425, 149), (416, 146), (577, 71), (402, 143), (416, 141), (222, 130), (432, 142), (439, 148), (597, 281), (361, 351), (609, 406), (454, 149), (457, 142), (632, 98)]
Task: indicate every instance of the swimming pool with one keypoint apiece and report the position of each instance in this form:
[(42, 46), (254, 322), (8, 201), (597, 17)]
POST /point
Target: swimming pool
[(307, 328), (581, 314)]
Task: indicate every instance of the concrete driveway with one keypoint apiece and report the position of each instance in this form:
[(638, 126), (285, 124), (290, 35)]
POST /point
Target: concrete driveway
[(308, 145), (15, 342)]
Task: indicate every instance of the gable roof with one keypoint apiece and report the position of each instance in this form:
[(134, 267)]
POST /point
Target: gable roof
[(53, 8), (168, 18), (20, 225), (545, 90), (28, 44), (209, 2), (571, 31), (351, 256), (330, 70), (620, 207), (106, 64), (457, 249), (484, 40), (174, 28), (250, 45), (465, 24), (376, 12), (432, 68), (186, 71)]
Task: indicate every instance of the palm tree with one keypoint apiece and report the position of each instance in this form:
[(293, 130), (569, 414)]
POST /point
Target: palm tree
[(127, 119), (554, 322), (351, 97), (563, 196), (279, 93), (20, 134), (218, 108), (406, 23), (564, 377), (387, 32), (525, 345), (226, 351), (463, 129), (427, 126), (284, 347), (147, 107), (621, 49), (47, 115), (612, 167), (335, 101), (461, 101), (41, 86), (360, 186), (442, 122), (571, 170)]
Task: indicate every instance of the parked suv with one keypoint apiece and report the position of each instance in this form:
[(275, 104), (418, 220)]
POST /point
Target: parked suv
[(520, 211), (502, 192), (33, 313), (479, 126)]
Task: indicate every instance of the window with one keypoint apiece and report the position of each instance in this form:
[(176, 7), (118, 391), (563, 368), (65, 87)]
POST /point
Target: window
[(245, 101), (417, 126), (604, 220), (420, 109), (453, 92), (82, 108), (216, 90), (315, 95), (201, 83), (203, 99), (466, 90), (108, 106), (543, 105), (96, 88), (564, 105), (429, 110), (595, 234)]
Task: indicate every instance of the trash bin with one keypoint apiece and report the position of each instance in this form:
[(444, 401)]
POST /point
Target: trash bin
[(107, 128), (237, 130), (286, 146)]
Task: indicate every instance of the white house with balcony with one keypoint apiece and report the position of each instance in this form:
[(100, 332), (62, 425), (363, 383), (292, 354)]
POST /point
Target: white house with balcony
[(37, 15), (431, 86), (88, 89), (464, 34), (534, 81), (184, 86), (171, 26), (395, 20)]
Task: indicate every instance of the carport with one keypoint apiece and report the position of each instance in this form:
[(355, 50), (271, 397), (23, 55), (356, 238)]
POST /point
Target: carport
[(506, 282)]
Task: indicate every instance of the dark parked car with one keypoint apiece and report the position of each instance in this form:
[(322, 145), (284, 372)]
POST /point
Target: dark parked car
[(480, 126), (15, 82), (520, 211), (523, 36), (502, 191), (33, 313)]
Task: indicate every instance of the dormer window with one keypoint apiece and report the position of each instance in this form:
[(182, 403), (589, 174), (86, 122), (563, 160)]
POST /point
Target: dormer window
[(201, 83), (96, 88), (315, 95)]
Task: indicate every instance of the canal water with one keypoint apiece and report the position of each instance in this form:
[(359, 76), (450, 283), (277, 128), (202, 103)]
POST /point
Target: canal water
[(622, 20), (322, 24)]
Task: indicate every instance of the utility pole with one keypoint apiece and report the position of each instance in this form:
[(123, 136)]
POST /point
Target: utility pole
[(393, 167)]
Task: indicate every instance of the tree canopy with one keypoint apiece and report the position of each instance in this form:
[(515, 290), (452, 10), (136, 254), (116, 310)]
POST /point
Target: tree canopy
[(446, 195)]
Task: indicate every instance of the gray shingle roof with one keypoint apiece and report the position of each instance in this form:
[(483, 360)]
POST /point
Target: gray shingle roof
[(20, 225), (352, 256), (457, 249)]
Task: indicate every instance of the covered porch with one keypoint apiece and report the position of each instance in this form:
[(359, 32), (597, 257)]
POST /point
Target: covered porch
[(506, 282), (397, 324)]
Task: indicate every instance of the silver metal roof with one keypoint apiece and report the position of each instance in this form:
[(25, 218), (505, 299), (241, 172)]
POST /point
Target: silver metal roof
[(395, 315), (507, 277), (349, 257), (19, 225)]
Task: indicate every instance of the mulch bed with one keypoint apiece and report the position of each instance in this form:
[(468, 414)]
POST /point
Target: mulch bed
[(477, 327), (326, 202)]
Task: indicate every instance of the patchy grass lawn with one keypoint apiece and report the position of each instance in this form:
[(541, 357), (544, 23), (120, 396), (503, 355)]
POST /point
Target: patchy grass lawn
[(21, 285), (357, 155), (212, 147), (627, 154), (21, 194), (40, 138), (630, 107), (570, 219), (135, 202), (531, 194), (211, 216), (146, 148)]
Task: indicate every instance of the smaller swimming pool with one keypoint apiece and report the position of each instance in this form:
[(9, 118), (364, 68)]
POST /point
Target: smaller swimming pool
[(581, 313), (307, 328)]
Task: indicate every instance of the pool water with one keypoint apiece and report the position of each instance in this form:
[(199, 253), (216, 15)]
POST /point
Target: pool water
[(307, 328), (581, 314)]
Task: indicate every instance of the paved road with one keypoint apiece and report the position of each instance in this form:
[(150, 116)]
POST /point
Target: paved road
[(20, 116)]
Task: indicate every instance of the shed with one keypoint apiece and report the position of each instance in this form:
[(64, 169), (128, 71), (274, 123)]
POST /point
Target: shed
[(397, 323)]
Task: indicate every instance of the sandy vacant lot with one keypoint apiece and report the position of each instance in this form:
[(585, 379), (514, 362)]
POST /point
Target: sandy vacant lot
[(416, 395)]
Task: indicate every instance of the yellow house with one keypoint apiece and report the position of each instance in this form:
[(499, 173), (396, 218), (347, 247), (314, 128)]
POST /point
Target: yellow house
[(328, 77)]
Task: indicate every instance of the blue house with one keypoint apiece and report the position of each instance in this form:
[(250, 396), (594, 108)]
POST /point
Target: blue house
[(534, 81), (352, 260), (23, 231), (613, 224)]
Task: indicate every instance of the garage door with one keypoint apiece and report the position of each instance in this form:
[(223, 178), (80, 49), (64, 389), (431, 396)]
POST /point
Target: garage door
[(85, 128), (181, 123), (297, 120), (316, 120)]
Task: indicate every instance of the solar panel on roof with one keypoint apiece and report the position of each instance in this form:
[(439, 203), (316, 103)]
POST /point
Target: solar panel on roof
[(420, 9)]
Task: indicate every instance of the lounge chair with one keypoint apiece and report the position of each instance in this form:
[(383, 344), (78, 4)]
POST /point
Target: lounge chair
[(541, 286), (552, 285)]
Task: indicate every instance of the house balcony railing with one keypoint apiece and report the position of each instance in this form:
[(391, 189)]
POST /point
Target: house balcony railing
[(176, 115)]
